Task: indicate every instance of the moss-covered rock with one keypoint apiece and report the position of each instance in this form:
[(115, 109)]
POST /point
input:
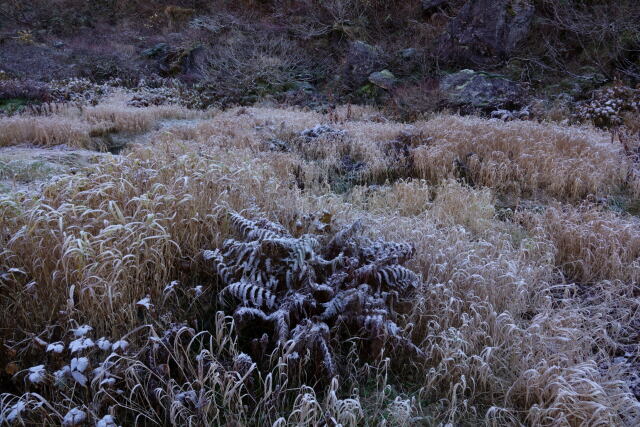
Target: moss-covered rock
[(383, 79), (479, 90)]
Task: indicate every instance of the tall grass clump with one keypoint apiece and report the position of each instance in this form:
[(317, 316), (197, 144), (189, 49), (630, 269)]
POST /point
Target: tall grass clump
[(43, 131), (592, 244), (524, 158), (510, 158), (74, 126), (139, 208), (124, 118)]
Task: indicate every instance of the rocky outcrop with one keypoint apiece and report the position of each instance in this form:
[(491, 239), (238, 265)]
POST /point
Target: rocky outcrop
[(362, 59), (470, 90), (490, 28)]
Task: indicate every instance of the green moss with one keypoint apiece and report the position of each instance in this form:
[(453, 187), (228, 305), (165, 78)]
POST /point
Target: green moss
[(13, 105), (369, 90)]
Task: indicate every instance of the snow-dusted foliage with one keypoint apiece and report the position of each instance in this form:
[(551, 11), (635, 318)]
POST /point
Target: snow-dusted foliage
[(120, 345), (107, 421), (104, 344), (37, 374), (80, 344), (81, 331), (310, 290), (56, 347), (75, 417)]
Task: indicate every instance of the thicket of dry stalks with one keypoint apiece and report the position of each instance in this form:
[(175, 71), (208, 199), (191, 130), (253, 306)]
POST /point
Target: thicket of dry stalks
[(517, 316)]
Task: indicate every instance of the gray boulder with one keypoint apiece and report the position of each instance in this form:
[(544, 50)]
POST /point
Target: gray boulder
[(477, 90), (409, 53), (362, 59), (384, 79), (491, 27)]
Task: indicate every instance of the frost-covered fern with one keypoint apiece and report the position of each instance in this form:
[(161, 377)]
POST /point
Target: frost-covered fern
[(307, 291)]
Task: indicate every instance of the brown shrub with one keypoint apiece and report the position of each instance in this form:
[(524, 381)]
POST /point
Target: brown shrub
[(411, 102)]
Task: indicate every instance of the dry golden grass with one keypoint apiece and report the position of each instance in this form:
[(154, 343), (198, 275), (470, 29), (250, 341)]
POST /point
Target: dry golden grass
[(44, 131), (508, 338), (74, 126), (517, 158), (523, 157), (123, 118), (592, 244)]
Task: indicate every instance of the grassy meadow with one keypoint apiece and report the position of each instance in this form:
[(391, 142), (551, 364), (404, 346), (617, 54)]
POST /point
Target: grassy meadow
[(525, 239)]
